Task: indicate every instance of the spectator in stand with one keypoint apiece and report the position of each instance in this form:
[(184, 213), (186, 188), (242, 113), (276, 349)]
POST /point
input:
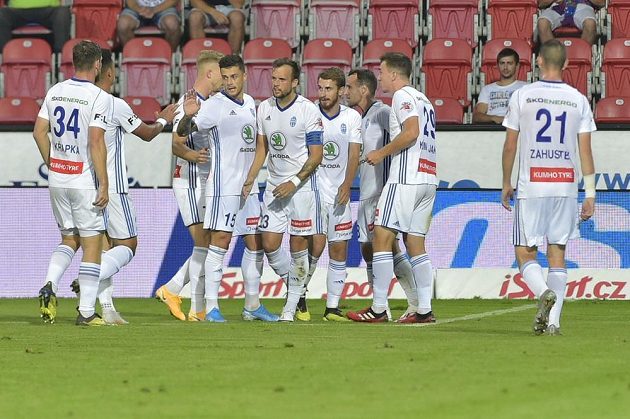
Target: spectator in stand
[(218, 13), (48, 13), (162, 13), (577, 13), (494, 97)]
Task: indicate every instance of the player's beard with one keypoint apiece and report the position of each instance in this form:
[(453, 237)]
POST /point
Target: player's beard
[(328, 105), (282, 94)]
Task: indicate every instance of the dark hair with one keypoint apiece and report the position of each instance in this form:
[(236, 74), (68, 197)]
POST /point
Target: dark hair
[(232, 60), (553, 53), (295, 67), (106, 62), (335, 74), (508, 52), (398, 62), (365, 78), (85, 54)]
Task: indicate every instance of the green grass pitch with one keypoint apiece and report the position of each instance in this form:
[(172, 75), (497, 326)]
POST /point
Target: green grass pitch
[(473, 365)]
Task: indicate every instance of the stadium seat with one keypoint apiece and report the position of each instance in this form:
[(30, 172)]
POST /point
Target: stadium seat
[(613, 110), (335, 19), (31, 30), (448, 111), (276, 19), (489, 71), (258, 56), (371, 58), (188, 70), (618, 18), (580, 69), (394, 19), (447, 70), (320, 54), (513, 19), (615, 75), (26, 69), (453, 19), (146, 69), (144, 107), (66, 68), (18, 110), (96, 19)]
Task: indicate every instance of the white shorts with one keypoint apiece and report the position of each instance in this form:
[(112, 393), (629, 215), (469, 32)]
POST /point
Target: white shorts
[(191, 204), (365, 219), (120, 217), (406, 208), (301, 213), (337, 221), (582, 12), (75, 213), (557, 219), (232, 213)]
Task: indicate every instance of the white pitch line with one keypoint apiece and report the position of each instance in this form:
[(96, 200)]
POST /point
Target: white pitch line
[(477, 316)]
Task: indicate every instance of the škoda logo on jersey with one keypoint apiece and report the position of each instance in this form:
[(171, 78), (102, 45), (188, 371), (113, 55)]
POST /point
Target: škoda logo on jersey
[(278, 141), (247, 133), (331, 150)]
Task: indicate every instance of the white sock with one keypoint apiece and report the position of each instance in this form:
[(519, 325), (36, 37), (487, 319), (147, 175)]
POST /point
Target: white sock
[(557, 281), (383, 266), (252, 267), (114, 260), (196, 272), (88, 281), (423, 276), (533, 276), (297, 277), (60, 259), (181, 278), (214, 275), (404, 274), (280, 263), (105, 293), (335, 280), (370, 273), (312, 267)]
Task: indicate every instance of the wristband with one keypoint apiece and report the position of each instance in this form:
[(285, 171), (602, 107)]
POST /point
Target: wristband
[(295, 180), (589, 186), (161, 121)]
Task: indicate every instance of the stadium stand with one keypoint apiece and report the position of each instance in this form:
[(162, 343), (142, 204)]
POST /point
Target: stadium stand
[(511, 19), (371, 58), (448, 111), (394, 19), (453, 19), (66, 68), (335, 19), (18, 110), (447, 70), (489, 73), (144, 107), (96, 19), (618, 19), (319, 54), (277, 19), (26, 69), (613, 110), (188, 64), (579, 72), (258, 56), (615, 70), (146, 69)]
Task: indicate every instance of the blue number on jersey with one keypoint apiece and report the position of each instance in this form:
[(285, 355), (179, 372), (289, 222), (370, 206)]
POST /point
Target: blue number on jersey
[(429, 117), (540, 137), (72, 125)]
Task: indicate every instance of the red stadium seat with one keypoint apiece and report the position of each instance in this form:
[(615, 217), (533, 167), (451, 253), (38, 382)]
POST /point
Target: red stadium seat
[(66, 68), (615, 74), (394, 19), (188, 72), (618, 19), (613, 109), (258, 56), (372, 53), (447, 69), (453, 19), (511, 19), (18, 110), (96, 19), (320, 54), (26, 68), (580, 69), (335, 19), (144, 107), (489, 70), (276, 19), (448, 111), (146, 69)]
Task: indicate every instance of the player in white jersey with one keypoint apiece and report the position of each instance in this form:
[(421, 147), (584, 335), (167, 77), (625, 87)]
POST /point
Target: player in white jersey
[(291, 126), (229, 119), (407, 199), (74, 111), (342, 147), (189, 180), (554, 123), (360, 90)]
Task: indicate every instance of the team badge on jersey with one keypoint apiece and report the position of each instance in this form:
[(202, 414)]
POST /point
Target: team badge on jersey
[(405, 106), (293, 121), (344, 129), (278, 141), (331, 150), (248, 134)]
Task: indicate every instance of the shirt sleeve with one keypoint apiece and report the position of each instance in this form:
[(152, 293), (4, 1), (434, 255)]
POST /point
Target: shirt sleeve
[(179, 113), (355, 127), (313, 127), (102, 103), (259, 119), (207, 117), (512, 115), (484, 95), (404, 106), (127, 119), (43, 111), (587, 123)]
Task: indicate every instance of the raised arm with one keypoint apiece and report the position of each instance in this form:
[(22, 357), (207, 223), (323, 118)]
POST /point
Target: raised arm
[(148, 132)]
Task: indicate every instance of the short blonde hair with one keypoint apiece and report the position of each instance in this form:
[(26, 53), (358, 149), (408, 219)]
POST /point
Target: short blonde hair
[(207, 57)]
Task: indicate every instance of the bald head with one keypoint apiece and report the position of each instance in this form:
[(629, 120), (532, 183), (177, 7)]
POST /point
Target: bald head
[(553, 54)]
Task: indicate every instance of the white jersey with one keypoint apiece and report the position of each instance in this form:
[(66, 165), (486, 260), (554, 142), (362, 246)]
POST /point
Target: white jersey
[(497, 97), (72, 107), (190, 175), (120, 119), (375, 135), (416, 164), (231, 129), (339, 131), (289, 132), (549, 116)]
